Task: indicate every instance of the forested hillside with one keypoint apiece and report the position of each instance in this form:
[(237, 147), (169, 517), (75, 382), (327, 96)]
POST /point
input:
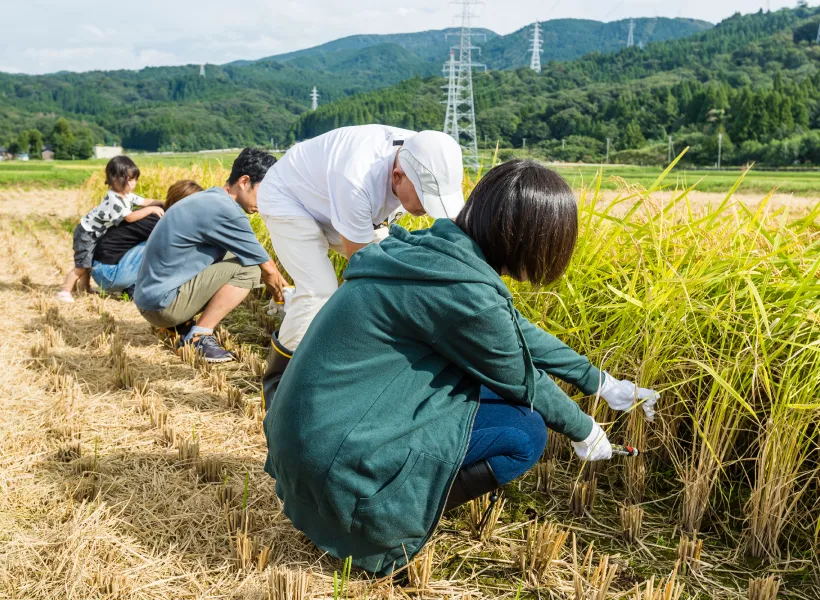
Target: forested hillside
[(754, 78), (173, 108)]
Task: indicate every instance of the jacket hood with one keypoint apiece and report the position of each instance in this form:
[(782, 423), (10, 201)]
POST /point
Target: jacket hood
[(442, 253)]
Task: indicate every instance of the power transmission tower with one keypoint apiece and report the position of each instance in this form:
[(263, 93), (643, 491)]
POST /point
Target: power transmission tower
[(630, 41), (607, 150), (537, 48), (463, 104), (669, 152), (817, 41), (720, 148), (450, 122), (314, 99), (202, 70)]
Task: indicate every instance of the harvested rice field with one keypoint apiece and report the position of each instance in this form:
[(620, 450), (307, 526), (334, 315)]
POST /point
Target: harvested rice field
[(127, 471)]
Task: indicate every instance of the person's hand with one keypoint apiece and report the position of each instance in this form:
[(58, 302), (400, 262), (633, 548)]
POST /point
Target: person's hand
[(622, 395), (156, 210), (273, 280), (595, 447)]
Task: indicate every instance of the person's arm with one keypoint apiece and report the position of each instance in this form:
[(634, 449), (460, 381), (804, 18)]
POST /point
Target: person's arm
[(559, 360), (350, 247), (142, 213), (350, 213), (486, 346)]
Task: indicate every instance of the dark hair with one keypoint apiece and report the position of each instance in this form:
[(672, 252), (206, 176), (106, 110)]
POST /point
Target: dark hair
[(252, 162), (118, 171), (525, 220), (179, 190)]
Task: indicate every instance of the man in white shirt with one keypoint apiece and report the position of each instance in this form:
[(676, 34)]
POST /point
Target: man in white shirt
[(334, 191)]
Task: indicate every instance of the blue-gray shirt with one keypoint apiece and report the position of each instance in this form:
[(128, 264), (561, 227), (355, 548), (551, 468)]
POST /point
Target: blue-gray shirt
[(195, 233)]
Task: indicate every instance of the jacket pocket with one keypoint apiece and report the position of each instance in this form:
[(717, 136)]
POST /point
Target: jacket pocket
[(405, 510)]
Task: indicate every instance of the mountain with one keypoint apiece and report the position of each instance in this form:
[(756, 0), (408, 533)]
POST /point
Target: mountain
[(253, 101), (753, 78)]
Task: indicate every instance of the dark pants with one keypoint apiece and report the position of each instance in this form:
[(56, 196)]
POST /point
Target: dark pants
[(510, 437)]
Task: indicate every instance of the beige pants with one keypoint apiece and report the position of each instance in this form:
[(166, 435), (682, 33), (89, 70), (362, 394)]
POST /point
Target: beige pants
[(195, 294), (301, 245)]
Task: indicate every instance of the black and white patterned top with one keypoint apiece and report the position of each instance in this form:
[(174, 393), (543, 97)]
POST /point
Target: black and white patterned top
[(110, 212)]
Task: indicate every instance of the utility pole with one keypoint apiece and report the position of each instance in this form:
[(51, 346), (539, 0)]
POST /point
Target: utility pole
[(720, 148), (630, 40), (669, 153), (564, 144), (450, 120), (202, 70), (817, 41), (463, 104), (524, 143), (607, 150), (314, 99), (536, 48)]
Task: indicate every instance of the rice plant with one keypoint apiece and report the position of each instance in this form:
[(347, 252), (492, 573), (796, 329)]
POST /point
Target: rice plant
[(288, 584), (592, 582), (631, 522), (666, 589), (542, 549), (484, 514), (764, 588)]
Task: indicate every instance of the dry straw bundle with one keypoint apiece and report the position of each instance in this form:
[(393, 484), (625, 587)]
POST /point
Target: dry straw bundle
[(542, 549), (669, 589), (288, 584), (764, 588)]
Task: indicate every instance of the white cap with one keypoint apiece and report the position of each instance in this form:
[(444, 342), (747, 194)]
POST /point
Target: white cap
[(432, 162)]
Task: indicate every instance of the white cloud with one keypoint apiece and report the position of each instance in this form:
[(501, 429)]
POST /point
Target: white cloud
[(43, 36)]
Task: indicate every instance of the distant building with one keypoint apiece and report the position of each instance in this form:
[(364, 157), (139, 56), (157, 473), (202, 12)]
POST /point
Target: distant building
[(4, 154), (107, 151), (47, 154), (22, 156)]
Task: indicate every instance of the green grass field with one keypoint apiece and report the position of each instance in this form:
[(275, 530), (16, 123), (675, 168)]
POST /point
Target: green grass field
[(68, 174)]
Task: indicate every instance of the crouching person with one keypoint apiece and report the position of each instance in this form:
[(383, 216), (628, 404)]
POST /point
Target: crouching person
[(205, 259), (419, 386)]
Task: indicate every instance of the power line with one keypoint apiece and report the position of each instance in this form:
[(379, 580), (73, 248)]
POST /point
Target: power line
[(536, 48)]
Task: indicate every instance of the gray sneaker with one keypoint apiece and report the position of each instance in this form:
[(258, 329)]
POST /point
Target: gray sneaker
[(209, 349)]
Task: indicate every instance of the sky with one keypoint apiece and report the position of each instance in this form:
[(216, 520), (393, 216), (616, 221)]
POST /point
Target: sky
[(40, 36)]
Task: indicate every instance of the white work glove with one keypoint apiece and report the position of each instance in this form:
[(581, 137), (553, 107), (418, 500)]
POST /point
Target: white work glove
[(595, 447), (621, 395)]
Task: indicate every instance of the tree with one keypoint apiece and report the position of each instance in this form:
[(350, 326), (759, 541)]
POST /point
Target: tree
[(35, 143), (62, 139), (23, 142), (633, 136)]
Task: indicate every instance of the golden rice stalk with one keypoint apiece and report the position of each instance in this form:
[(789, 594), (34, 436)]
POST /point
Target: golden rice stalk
[(111, 585), (288, 584), (123, 376), (188, 354), (242, 352), (87, 490), (188, 449), (218, 381), (763, 588), (631, 522), (592, 583), (100, 341), (545, 475), (53, 317), (210, 469), (227, 497), (234, 396), (542, 549), (635, 468), (237, 519), (668, 589), (484, 510), (689, 551), (169, 434), (85, 465), (245, 549), (420, 568), (69, 451), (68, 431), (582, 497), (159, 416), (256, 365)]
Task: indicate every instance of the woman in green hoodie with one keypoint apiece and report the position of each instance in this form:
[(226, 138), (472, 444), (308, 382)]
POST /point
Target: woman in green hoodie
[(419, 386)]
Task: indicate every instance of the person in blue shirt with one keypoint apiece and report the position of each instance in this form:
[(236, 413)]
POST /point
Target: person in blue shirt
[(203, 257)]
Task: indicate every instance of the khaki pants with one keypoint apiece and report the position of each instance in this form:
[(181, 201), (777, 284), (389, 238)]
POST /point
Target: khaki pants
[(302, 245), (195, 294)]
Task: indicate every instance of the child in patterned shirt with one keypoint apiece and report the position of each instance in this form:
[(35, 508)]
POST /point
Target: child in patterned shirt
[(121, 175)]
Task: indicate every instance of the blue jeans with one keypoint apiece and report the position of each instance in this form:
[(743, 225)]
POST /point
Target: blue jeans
[(114, 279), (508, 436)]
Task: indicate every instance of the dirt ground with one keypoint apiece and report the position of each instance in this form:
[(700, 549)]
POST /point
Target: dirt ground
[(127, 472)]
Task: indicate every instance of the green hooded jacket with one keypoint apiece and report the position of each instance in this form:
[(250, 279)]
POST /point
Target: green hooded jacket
[(373, 416)]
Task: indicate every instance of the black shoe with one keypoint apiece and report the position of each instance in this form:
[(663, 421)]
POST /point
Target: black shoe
[(471, 482), (129, 291), (207, 347), (278, 361)]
